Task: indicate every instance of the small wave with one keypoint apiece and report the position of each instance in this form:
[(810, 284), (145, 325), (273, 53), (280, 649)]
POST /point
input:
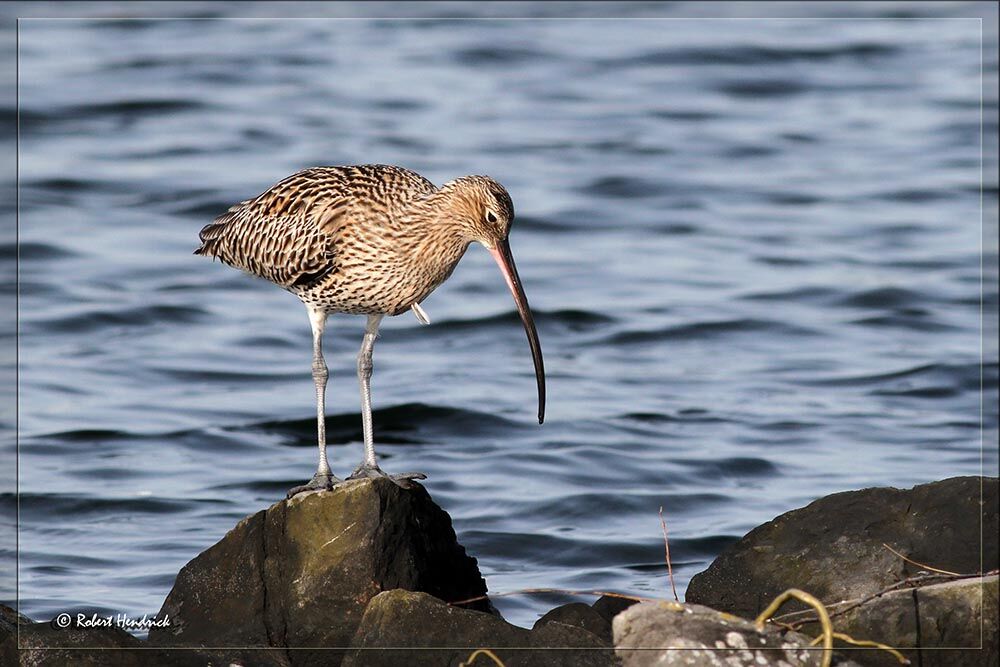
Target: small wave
[(687, 415), (623, 187), (68, 184), (749, 151), (706, 330), (649, 417), (920, 392), (914, 196), (684, 115), (882, 297), (499, 55), (748, 56), (966, 376), (568, 319), (799, 137), (207, 209), (399, 104), (202, 374), (401, 424), (764, 88), (914, 320), (94, 320), (739, 466), (91, 435), (33, 250), (799, 294), (774, 260), (39, 505), (791, 198), (710, 545), (34, 120), (786, 425)]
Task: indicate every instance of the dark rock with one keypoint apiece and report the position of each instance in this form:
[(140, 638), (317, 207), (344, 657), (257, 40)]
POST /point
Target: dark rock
[(9, 620), (671, 633), (945, 618), (301, 573), (553, 636), (833, 549), (579, 615), (28, 644), (400, 627), (609, 606)]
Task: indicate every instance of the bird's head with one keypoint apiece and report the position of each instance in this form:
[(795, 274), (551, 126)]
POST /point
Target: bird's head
[(483, 210)]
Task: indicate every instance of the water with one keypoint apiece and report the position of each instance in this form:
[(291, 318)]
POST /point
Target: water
[(753, 249)]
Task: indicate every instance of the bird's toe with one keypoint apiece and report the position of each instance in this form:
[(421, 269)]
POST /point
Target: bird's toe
[(404, 480), (317, 483)]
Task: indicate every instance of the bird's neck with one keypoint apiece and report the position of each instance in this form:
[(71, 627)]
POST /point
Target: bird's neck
[(446, 214), (439, 231)]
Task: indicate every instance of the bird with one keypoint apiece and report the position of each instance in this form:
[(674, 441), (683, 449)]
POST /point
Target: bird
[(373, 240)]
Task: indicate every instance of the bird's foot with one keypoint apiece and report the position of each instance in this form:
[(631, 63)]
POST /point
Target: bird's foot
[(319, 482), (404, 480)]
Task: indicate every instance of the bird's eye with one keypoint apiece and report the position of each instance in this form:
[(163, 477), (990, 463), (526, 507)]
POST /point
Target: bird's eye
[(490, 217)]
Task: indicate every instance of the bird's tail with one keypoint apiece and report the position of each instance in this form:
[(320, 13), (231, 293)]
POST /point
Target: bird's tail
[(210, 235)]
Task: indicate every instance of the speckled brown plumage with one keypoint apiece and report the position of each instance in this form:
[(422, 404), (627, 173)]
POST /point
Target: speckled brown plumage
[(360, 239), (373, 240)]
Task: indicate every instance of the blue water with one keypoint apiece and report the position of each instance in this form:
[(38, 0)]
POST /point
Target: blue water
[(754, 248)]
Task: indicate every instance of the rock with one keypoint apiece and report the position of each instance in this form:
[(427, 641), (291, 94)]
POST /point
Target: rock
[(398, 622), (671, 633), (301, 573), (579, 615), (555, 635), (949, 616), (833, 549), (609, 606), (46, 645), (9, 620)]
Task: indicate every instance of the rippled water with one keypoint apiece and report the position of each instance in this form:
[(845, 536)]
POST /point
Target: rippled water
[(753, 248)]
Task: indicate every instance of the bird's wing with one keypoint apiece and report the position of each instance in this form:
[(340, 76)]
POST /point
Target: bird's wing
[(288, 234)]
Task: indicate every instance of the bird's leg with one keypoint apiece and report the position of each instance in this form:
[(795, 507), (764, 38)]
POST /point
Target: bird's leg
[(324, 478), (369, 467)]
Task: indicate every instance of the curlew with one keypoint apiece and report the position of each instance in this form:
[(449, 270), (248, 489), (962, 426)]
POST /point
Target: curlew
[(370, 240)]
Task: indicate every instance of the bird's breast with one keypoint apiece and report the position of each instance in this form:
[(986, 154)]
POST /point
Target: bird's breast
[(384, 278)]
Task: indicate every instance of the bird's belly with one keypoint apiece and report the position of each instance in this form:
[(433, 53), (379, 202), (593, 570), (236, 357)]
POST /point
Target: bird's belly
[(388, 290)]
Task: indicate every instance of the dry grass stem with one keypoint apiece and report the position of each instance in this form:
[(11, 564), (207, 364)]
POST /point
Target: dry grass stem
[(921, 565), (560, 591), (478, 652), (666, 548), (824, 618), (903, 660)]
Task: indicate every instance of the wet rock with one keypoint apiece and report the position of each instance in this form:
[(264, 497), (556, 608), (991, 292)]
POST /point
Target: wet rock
[(301, 573), (28, 644), (609, 606), (403, 627), (671, 633), (9, 620), (578, 615), (945, 618), (833, 548)]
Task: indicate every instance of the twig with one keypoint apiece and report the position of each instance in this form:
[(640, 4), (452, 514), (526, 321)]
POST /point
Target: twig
[(481, 651), (915, 581), (666, 548), (909, 582), (561, 591), (844, 637), (926, 567), (824, 618)]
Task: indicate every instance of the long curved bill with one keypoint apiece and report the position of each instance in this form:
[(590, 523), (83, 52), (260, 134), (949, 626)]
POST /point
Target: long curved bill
[(501, 253)]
